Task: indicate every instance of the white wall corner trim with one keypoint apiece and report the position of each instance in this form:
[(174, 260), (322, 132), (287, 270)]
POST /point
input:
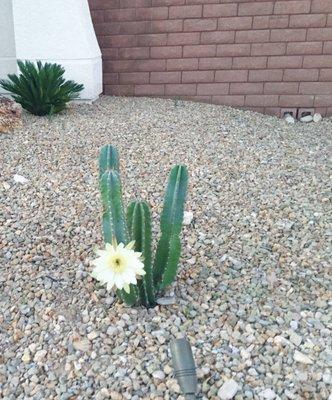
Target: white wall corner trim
[(58, 31)]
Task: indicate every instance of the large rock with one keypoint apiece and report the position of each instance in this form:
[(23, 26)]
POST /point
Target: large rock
[(10, 115), (228, 390)]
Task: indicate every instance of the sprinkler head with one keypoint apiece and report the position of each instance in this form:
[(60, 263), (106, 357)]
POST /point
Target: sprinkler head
[(184, 366)]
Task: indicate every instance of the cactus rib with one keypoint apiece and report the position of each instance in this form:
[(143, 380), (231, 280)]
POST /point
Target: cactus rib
[(169, 247), (139, 226), (108, 159), (114, 223)]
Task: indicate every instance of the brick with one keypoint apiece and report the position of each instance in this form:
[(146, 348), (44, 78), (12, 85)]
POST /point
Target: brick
[(199, 51), (229, 100), (97, 16), (256, 8), (134, 53), (153, 39), (103, 5), (231, 50), (292, 7), (184, 89), (183, 38), (329, 20), (234, 23), (288, 35), (217, 37), (270, 21), (219, 10), (327, 49), (246, 88), (166, 52), (266, 75), (202, 1), (304, 48), (118, 66), (212, 88), (134, 3), (249, 62), (119, 90), (150, 65), (300, 75), (165, 77), (174, 25), (126, 14), (319, 34), (232, 76), (149, 90), (321, 6), (261, 100), (316, 87), (307, 21), (281, 88), (190, 11), (109, 54), (323, 100), (133, 77), (272, 49), (215, 63), (326, 75), (197, 76), (151, 13), (118, 41), (284, 62), (198, 25), (167, 2), (110, 78), (182, 64), (324, 61), (119, 28), (272, 111), (252, 36), (297, 101)]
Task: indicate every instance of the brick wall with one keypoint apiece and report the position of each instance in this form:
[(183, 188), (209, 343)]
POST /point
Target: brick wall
[(262, 55)]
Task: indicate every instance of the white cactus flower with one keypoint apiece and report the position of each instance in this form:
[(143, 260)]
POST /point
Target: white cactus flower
[(118, 265)]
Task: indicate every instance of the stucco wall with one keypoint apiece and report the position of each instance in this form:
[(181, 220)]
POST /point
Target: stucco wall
[(263, 55), (7, 40), (58, 31)]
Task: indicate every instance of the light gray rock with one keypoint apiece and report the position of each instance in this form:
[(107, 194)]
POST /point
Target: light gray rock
[(317, 117), (228, 390), (302, 358), (307, 118)]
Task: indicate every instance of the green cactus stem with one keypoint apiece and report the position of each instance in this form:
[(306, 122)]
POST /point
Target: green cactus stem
[(108, 159), (139, 226), (169, 246), (114, 222)]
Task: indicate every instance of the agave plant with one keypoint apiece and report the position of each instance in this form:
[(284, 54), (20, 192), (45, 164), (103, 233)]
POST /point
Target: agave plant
[(41, 88), (133, 229)]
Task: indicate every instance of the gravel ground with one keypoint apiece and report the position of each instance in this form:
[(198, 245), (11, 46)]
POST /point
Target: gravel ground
[(252, 293)]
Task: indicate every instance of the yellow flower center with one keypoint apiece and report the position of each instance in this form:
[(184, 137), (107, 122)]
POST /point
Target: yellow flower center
[(117, 263)]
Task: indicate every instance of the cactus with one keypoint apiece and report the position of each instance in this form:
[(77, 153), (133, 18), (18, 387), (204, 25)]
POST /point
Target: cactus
[(108, 159), (169, 246), (137, 227), (113, 220)]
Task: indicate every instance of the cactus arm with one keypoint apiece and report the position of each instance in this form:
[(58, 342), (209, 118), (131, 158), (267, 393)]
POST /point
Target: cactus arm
[(108, 159), (169, 247), (139, 226), (114, 222)]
